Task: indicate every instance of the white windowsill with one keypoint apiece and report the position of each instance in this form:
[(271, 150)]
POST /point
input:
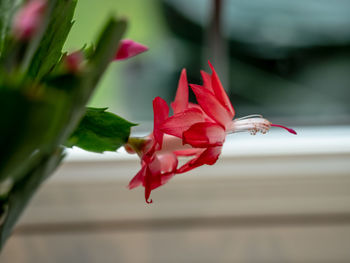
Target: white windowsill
[(315, 150)]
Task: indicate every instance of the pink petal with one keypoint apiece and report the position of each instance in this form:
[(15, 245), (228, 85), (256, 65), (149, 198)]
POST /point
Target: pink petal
[(181, 99), (212, 106), (138, 178), (161, 113), (204, 134), (196, 106), (182, 121), (163, 164), (286, 128), (189, 152), (220, 93), (129, 48), (209, 157)]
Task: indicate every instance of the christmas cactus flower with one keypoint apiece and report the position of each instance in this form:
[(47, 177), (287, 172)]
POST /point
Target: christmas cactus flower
[(195, 130)]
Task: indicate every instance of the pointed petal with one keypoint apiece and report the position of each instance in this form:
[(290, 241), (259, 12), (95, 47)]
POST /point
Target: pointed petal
[(181, 99), (129, 48), (138, 178), (147, 185), (161, 113), (209, 157), (204, 134), (220, 93), (181, 122), (211, 105)]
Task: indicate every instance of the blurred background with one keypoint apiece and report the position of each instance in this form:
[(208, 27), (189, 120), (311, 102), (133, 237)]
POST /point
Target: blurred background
[(285, 60), (272, 199)]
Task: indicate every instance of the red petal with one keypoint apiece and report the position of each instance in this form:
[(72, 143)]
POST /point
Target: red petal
[(220, 93), (181, 99), (196, 106), (182, 121), (204, 134), (138, 178), (129, 48), (211, 105), (161, 113), (209, 156), (147, 185), (159, 172)]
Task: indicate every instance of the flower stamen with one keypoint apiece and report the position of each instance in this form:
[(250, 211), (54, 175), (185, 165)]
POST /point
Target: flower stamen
[(252, 123)]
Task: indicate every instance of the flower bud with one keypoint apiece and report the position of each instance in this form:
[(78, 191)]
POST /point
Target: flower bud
[(73, 61), (129, 48), (28, 19)]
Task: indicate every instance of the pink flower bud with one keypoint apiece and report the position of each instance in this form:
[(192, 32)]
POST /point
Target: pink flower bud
[(28, 19), (73, 61), (129, 48)]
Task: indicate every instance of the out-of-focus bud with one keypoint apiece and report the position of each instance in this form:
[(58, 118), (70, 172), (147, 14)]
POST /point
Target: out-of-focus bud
[(73, 61), (28, 19), (129, 48)]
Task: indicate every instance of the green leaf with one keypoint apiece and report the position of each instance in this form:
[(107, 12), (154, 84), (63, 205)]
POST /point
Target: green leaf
[(29, 122), (49, 49), (7, 9), (100, 131)]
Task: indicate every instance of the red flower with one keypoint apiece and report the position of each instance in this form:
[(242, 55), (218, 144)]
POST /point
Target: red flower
[(206, 125), (196, 130), (158, 151)]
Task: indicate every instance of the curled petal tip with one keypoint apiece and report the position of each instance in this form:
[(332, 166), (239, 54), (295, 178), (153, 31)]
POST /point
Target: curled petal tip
[(129, 48), (149, 201), (286, 128)]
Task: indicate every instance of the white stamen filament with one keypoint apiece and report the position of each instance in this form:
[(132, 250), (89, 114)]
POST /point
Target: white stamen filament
[(250, 123)]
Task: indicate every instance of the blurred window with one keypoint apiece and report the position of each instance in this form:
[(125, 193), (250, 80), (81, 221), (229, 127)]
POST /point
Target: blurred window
[(288, 60)]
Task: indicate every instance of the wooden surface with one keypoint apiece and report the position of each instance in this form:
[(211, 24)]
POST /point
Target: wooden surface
[(215, 214)]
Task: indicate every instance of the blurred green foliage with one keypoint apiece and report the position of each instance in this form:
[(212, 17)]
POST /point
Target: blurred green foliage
[(42, 102), (146, 26)]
